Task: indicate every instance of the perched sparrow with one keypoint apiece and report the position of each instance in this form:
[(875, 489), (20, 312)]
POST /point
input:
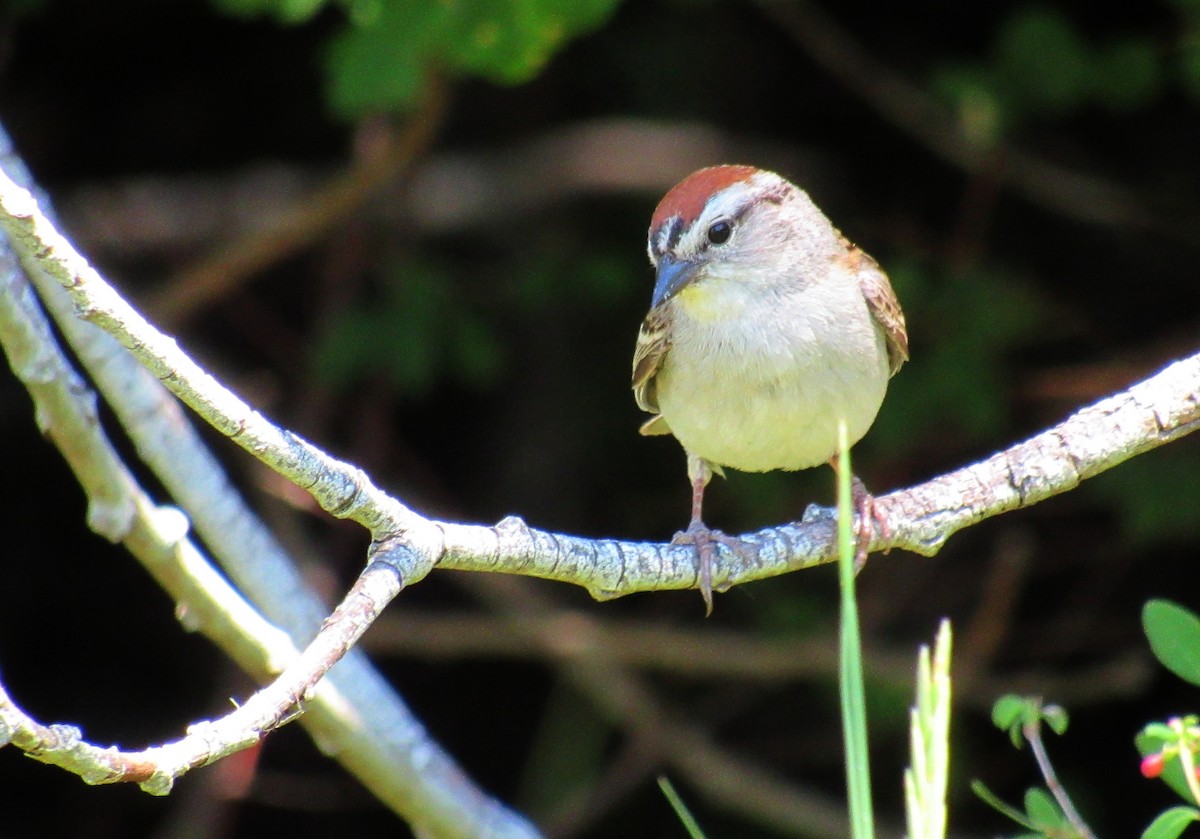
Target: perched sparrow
[(766, 327)]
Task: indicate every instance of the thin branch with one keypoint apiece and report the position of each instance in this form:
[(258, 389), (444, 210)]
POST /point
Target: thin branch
[(1156, 411), (353, 714), (64, 413), (157, 536), (341, 490), (118, 507)]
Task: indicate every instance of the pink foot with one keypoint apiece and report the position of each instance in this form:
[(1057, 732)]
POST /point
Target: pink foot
[(868, 517), (699, 534)]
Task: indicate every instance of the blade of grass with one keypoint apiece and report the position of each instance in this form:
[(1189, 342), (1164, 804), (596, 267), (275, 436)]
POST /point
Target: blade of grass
[(850, 675), (681, 811)]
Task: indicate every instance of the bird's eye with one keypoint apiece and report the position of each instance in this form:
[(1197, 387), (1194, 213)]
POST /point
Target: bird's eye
[(720, 232)]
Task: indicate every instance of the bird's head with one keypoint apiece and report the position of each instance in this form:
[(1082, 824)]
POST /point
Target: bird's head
[(739, 224)]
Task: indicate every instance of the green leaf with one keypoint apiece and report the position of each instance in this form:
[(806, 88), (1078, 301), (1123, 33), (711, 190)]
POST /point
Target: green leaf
[(1009, 710), (1171, 823), (992, 800), (381, 60), (1056, 717), (1013, 713), (1156, 735), (1042, 809), (510, 40), (378, 63), (850, 668), (1174, 635)]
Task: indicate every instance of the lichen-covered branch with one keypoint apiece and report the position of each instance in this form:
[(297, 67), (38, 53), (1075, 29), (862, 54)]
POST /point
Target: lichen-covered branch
[(353, 714), (920, 518)]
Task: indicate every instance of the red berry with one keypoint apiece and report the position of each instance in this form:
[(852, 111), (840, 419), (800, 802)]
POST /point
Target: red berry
[(1152, 765)]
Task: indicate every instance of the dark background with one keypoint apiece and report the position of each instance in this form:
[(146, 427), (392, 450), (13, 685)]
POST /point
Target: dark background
[(478, 367)]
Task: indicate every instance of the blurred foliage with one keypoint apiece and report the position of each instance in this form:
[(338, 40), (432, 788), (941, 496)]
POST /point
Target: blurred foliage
[(416, 333), (507, 341), (1149, 491), (286, 11), (424, 323), (1040, 66), (383, 57), (963, 329)]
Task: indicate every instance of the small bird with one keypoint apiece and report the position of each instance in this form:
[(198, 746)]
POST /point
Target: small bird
[(766, 328)]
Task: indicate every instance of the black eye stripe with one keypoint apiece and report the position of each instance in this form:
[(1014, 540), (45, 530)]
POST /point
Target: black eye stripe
[(665, 237), (674, 232)]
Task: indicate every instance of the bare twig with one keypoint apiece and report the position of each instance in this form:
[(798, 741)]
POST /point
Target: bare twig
[(353, 714), (1156, 411), (118, 508), (122, 512), (921, 518)]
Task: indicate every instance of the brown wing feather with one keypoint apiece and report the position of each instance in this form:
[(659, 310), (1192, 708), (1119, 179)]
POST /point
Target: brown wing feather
[(882, 303), (652, 344)]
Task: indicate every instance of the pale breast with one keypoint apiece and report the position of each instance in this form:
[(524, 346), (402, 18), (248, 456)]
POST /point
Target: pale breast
[(770, 397)]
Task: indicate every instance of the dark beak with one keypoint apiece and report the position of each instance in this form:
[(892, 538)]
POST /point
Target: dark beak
[(673, 275)]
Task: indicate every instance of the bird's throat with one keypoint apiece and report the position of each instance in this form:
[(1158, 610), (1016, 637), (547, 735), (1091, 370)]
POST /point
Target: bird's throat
[(711, 299)]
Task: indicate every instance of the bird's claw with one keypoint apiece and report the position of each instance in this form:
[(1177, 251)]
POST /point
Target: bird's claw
[(868, 516), (703, 538)]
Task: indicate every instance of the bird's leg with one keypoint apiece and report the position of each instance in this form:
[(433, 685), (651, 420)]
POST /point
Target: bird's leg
[(699, 534), (868, 515)]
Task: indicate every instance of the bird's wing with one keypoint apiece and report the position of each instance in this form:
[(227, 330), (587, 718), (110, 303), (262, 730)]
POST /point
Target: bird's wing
[(882, 303), (652, 344)]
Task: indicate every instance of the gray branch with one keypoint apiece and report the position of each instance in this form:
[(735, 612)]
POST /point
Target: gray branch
[(406, 545), (354, 715), (1160, 409)]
